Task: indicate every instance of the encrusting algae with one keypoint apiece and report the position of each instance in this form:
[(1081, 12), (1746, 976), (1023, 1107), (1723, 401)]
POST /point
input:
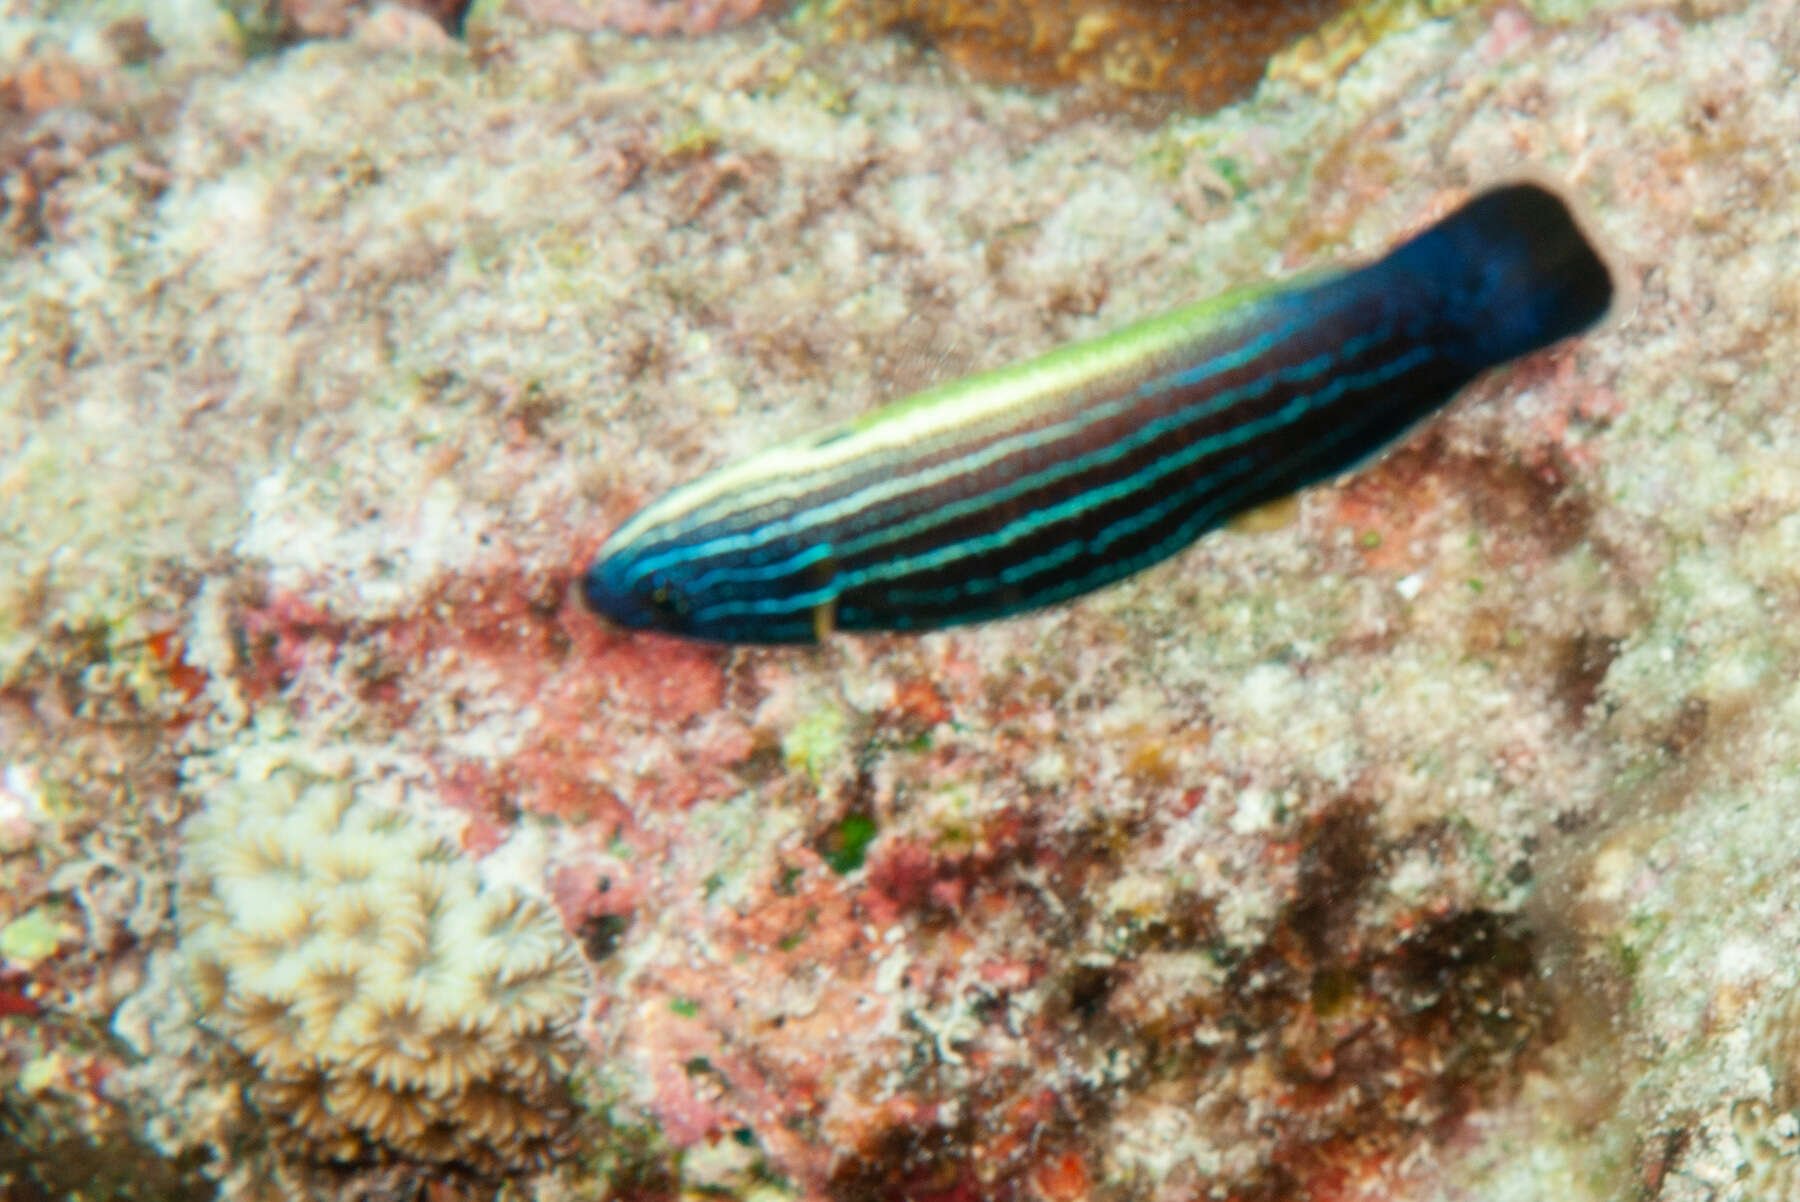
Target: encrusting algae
[(394, 1006)]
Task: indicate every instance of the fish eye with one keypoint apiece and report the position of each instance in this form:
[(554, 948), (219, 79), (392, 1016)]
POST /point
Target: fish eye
[(668, 601)]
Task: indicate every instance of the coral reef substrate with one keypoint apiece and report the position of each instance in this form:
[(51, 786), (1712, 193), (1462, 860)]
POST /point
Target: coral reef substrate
[(1434, 845)]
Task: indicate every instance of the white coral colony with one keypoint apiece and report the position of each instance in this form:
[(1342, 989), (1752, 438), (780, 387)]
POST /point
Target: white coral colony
[(393, 1004)]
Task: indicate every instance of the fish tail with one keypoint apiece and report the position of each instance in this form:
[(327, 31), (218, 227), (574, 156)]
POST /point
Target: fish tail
[(1508, 273)]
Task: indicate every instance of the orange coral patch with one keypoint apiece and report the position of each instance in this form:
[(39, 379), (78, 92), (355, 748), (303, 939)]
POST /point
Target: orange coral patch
[(1209, 52)]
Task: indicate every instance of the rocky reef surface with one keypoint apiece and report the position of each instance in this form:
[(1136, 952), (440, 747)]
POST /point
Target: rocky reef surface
[(1437, 845)]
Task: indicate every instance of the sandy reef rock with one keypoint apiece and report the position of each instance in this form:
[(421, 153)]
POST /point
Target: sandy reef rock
[(1437, 845)]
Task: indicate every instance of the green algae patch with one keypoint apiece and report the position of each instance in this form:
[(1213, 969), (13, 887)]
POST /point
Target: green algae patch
[(31, 938), (848, 845)]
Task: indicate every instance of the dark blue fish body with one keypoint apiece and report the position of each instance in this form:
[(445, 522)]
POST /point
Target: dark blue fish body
[(1026, 486)]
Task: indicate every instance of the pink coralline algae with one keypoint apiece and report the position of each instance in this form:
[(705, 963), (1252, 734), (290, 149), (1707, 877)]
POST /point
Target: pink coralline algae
[(602, 705)]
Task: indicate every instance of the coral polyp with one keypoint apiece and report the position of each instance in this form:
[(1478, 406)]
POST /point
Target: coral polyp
[(393, 1005)]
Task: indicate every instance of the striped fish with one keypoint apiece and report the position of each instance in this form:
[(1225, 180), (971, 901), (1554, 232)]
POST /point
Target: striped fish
[(1022, 487)]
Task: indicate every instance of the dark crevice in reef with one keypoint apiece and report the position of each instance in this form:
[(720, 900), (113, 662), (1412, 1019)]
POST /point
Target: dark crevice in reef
[(1362, 1034)]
